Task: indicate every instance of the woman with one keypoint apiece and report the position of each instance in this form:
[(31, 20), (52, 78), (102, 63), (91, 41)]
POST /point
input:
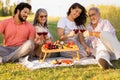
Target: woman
[(76, 16), (102, 36), (42, 33)]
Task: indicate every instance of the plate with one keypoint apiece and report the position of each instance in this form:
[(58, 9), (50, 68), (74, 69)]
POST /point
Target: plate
[(67, 61), (63, 62)]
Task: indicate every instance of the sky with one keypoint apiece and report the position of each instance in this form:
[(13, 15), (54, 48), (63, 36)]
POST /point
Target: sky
[(60, 7)]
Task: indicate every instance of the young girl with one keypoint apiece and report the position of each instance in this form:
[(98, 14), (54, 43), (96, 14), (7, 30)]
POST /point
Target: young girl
[(76, 16)]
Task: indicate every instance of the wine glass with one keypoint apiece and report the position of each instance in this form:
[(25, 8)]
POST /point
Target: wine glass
[(45, 32), (45, 36), (40, 31), (82, 29), (76, 31), (39, 36)]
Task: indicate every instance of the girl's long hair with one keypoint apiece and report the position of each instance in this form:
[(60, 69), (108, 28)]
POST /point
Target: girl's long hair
[(80, 20)]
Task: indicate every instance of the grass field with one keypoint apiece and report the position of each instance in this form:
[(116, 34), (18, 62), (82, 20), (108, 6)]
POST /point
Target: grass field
[(15, 71)]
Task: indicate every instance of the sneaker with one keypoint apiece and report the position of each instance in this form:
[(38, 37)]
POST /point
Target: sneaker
[(104, 64), (118, 58)]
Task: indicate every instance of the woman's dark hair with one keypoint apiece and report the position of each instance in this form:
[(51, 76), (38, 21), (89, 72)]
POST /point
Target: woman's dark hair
[(38, 12), (21, 6), (80, 20)]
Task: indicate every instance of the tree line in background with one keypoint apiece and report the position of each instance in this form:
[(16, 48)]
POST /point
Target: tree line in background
[(4, 11), (8, 10), (108, 12)]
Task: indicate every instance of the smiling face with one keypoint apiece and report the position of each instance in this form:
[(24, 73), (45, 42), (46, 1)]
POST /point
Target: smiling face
[(75, 12), (23, 14), (42, 18), (94, 16)]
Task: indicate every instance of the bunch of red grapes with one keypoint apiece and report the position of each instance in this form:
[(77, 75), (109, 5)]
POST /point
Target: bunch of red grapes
[(49, 45)]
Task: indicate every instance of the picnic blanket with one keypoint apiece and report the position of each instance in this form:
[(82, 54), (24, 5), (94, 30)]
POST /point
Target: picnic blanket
[(36, 64)]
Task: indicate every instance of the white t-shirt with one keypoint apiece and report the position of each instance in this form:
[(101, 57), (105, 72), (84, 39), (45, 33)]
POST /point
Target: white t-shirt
[(67, 25)]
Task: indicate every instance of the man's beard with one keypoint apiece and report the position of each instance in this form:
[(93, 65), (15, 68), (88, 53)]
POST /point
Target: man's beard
[(20, 18)]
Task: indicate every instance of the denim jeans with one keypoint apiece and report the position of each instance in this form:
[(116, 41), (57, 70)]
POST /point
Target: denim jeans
[(10, 54)]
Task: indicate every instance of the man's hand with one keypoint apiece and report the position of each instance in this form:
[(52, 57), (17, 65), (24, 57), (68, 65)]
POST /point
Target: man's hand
[(88, 51), (88, 33)]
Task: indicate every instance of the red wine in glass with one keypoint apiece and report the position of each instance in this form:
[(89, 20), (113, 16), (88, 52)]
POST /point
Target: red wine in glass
[(45, 33), (76, 30), (39, 33), (82, 30)]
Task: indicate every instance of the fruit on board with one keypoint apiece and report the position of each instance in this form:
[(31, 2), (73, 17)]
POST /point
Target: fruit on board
[(63, 61), (59, 45), (49, 45), (66, 61)]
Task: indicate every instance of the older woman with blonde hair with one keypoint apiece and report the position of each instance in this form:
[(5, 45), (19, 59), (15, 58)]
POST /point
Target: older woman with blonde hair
[(42, 33)]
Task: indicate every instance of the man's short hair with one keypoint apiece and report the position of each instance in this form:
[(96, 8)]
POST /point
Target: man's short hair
[(21, 6), (95, 8)]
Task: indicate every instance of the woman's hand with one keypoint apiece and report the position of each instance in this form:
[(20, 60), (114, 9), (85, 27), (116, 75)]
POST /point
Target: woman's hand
[(86, 33), (71, 34), (47, 39), (39, 39)]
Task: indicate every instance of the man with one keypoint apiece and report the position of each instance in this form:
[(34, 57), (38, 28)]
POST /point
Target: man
[(18, 35), (102, 36)]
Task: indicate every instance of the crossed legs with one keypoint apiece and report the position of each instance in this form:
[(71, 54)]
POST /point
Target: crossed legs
[(23, 50)]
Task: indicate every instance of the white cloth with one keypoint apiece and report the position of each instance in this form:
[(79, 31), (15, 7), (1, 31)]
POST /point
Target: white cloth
[(36, 64)]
